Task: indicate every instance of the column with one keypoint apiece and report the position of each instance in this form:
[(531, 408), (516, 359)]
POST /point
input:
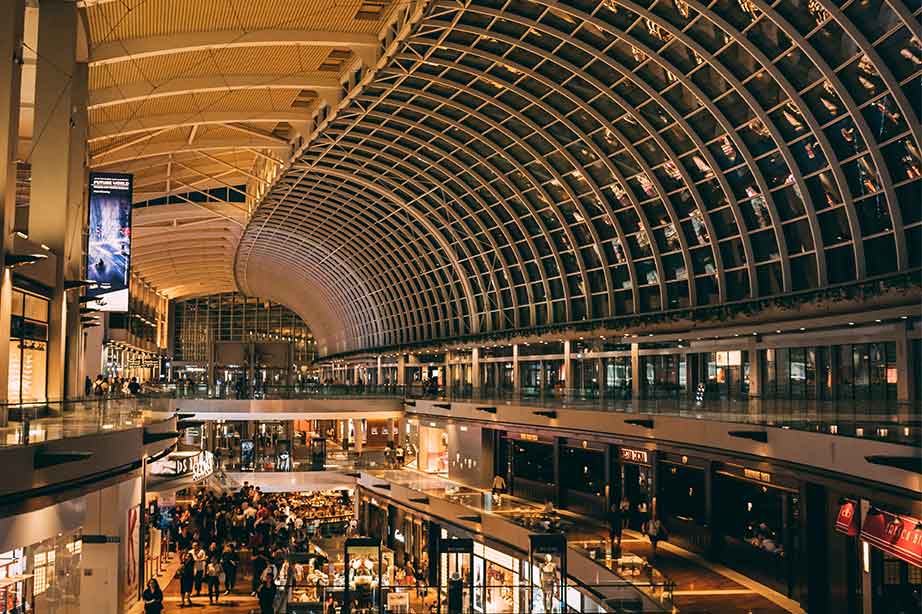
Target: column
[(475, 369), (755, 370), (568, 379), (635, 371), (10, 79), (602, 378), (516, 381), (380, 373), (57, 213), (402, 370), (903, 367), (558, 488)]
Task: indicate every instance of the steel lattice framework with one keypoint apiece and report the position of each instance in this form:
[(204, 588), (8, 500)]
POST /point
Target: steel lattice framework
[(530, 162)]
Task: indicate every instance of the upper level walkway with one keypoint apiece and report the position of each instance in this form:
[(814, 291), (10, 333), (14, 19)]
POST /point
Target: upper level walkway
[(883, 421)]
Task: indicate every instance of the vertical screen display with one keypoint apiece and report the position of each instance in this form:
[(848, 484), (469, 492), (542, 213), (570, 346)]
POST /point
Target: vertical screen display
[(109, 245)]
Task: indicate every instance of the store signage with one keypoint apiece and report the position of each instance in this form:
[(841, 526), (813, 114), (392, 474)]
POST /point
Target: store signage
[(631, 455), (528, 436), (754, 474), (142, 363), (109, 244), (199, 466), (847, 519), (895, 534)]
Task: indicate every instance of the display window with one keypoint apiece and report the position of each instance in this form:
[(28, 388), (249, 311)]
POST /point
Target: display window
[(759, 527), (43, 577), (28, 348), (433, 450)]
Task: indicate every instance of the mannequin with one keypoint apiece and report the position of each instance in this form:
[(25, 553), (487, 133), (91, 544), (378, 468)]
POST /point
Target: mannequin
[(548, 582)]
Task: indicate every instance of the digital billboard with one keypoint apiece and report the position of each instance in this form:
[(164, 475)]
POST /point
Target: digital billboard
[(109, 247)]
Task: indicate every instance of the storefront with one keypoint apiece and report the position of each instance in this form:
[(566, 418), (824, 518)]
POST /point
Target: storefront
[(582, 477), (433, 448), (497, 587), (529, 459), (636, 480), (681, 502), (889, 560), (757, 524), (28, 347), (42, 577)]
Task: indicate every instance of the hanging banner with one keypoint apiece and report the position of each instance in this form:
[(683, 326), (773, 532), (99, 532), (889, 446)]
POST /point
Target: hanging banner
[(900, 536), (847, 519), (109, 246)]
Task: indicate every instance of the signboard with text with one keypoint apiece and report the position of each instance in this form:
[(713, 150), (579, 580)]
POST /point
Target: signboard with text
[(109, 245), (895, 534)]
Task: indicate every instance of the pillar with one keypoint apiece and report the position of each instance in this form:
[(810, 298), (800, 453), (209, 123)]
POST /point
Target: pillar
[(475, 369), (568, 379), (380, 373), (602, 378), (635, 371), (57, 211), (516, 381), (11, 28), (755, 371), (904, 367)]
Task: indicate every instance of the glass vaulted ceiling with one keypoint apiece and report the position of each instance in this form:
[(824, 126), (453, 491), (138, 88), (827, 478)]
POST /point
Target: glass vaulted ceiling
[(525, 163)]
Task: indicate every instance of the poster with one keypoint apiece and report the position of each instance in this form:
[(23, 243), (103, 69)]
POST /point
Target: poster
[(109, 244), (130, 546)]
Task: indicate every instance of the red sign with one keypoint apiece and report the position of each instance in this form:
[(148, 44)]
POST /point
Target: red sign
[(847, 520), (900, 536)]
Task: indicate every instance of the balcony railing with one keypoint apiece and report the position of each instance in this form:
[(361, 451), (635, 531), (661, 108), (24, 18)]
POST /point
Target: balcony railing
[(867, 419)]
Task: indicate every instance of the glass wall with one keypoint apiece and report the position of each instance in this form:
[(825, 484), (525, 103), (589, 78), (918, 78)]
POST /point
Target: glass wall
[(28, 347), (759, 528), (235, 317), (43, 577), (847, 372), (663, 376)]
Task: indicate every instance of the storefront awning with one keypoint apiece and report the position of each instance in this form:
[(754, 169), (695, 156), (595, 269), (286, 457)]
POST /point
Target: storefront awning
[(895, 534)]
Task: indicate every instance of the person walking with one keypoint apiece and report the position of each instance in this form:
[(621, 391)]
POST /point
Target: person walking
[(200, 557), (625, 508), (153, 597), (259, 565), (655, 532), (213, 575), (499, 486), (186, 580), (615, 528), (229, 563), (266, 596)]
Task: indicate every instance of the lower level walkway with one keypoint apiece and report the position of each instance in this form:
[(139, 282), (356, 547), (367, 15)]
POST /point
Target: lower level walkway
[(701, 586)]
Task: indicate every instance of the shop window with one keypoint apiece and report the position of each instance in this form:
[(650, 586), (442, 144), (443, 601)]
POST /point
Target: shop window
[(43, 568)]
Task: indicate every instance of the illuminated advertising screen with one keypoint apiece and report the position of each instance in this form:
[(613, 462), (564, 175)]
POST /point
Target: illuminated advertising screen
[(109, 246)]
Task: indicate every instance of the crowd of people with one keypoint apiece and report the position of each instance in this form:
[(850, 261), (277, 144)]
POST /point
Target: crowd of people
[(213, 530), (105, 386)]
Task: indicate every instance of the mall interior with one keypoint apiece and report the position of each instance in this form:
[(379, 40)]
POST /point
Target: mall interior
[(461, 306)]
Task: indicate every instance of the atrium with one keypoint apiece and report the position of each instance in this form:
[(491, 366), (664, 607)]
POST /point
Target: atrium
[(461, 306)]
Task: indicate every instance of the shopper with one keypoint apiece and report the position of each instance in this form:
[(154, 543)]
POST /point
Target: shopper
[(266, 596), (153, 597), (655, 532), (615, 527), (260, 561), (200, 557), (499, 485), (229, 563), (186, 580), (625, 509), (134, 387), (213, 575)]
